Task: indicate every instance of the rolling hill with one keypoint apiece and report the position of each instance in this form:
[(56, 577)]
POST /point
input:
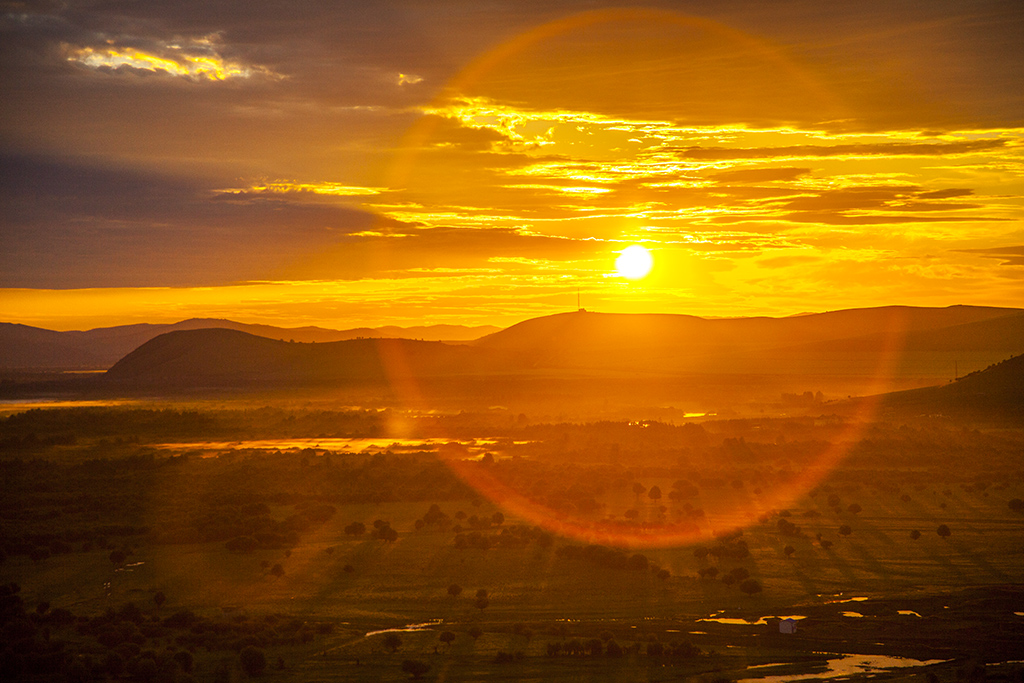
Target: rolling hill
[(995, 393), (924, 343), (25, 347), (194, 359), (661, 358)]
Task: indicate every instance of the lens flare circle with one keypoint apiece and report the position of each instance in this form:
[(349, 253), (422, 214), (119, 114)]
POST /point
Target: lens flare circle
[(634, 262)]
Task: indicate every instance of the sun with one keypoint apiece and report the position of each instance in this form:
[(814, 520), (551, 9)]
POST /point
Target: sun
[(634, 262)]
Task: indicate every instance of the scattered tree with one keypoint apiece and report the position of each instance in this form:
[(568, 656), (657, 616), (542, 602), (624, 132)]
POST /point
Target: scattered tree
[(639, 489), (789, 550), (159, 598), (355, 529), (415, 668), (750, 586), (654, 493), (943, 531), (1017, 505), (184, 660), (454, 590), (254, 661), (277, 570), (845, 530), (915, 534), (854, 508), (447, 638), (392, 642), (475, 632)]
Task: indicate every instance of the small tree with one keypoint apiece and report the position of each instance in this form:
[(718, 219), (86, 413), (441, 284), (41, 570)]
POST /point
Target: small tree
[(277, 570), (854, 508), (789, 550), (118, 557), (639, 489), (654, 493), (454, 590), (845, 530), (943, 531), (254, 661), (447, 638), (482, 603), (392, 642), (415, 668), (159, 598), (915, 534), (750, 587), (475, 632)]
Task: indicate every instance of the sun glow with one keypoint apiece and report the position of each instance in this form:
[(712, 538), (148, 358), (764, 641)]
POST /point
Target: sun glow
[(634, 262)]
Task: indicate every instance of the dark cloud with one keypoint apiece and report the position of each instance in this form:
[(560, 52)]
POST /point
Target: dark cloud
[(408, 252), (1009, 256), (881, 149), (760, 175), (68, 224), (446, 132), (886, 198), (946, 194)]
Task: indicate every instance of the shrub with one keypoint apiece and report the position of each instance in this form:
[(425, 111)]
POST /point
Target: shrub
[(392, 642), (415, 668), (254, 661)]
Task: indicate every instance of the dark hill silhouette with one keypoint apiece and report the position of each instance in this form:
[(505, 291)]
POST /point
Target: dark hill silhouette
[(667, 359), (995, 393), (231, 358), (22, 346), (857, 341)]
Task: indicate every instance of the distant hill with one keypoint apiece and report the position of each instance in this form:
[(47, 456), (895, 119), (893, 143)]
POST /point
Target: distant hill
[(923, 342), (215, 357), (675, 357), (22, 346), (995, 393)]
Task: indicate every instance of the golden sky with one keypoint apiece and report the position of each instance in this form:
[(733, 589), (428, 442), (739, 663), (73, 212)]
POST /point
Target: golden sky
[(348, 164)]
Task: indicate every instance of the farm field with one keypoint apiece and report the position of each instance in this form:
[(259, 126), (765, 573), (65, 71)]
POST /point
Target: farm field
[(318, 558)]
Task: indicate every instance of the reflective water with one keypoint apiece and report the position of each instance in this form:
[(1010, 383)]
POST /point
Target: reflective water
[(21, 405), (474, 447), (763, 621), (846, 665), (409, 628)]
